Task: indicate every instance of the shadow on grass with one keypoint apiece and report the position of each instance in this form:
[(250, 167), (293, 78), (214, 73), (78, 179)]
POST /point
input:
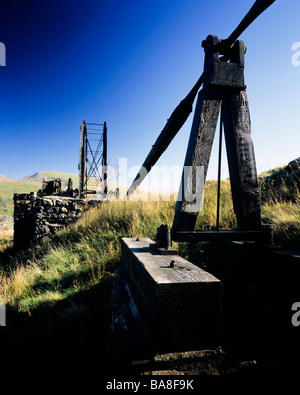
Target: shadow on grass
[(68, 338)]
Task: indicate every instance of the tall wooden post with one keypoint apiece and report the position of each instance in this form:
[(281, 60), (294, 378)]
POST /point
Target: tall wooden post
[(223, 85), (104, 159), (82, 160), (241, 161), (197, 157)]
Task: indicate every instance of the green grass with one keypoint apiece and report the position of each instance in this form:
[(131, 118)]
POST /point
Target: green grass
[(86, 253), (50, 175), (78, 257), (6, 240), (29, 184), (285, 220), (58, 296), (7, 190), (281, 184)]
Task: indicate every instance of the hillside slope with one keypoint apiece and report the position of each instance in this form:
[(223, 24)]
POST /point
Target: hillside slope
[(7, 190), (281, 184), (50, 175), (5, 178), (59, 295), (31, 183)]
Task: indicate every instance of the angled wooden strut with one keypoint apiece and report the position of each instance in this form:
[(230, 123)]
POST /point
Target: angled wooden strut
[(183, 110), (82, 165), (224, 90)]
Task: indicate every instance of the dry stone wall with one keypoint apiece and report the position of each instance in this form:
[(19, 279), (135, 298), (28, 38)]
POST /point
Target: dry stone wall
[(36, 218)]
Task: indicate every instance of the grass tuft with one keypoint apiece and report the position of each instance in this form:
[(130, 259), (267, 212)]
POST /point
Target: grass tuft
[(86, 253)]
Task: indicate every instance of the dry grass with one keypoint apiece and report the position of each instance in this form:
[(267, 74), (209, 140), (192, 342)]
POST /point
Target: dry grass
[(86, 253), (6, 233), (285, 219), (79, 256), (6, 239)]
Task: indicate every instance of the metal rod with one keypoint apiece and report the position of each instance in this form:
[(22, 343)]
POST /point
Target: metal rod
[(98, 124), (95, 163), (174, 124), (99, 146), (86, 160), (92, 171), (104, 158), (219, 172), (93, 139), (81, 158), (96, 156)]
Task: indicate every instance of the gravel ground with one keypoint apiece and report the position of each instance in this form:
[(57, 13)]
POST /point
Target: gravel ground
[(6, 222)]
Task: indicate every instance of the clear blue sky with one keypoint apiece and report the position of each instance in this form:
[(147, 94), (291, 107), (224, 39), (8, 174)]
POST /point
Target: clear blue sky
[(129, 63)]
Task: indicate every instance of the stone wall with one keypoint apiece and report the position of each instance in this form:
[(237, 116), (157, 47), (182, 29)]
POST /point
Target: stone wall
[(36, 218)]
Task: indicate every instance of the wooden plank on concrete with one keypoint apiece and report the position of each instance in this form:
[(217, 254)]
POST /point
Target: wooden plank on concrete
[(179, 302)]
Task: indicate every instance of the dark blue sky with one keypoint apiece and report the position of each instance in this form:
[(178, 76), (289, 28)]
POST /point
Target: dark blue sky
[(129, 63)]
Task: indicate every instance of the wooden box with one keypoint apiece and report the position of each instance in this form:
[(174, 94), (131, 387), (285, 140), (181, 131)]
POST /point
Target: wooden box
[(179, 303)]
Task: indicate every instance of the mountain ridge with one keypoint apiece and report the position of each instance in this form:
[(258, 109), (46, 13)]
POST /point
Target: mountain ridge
[(50, 175)]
